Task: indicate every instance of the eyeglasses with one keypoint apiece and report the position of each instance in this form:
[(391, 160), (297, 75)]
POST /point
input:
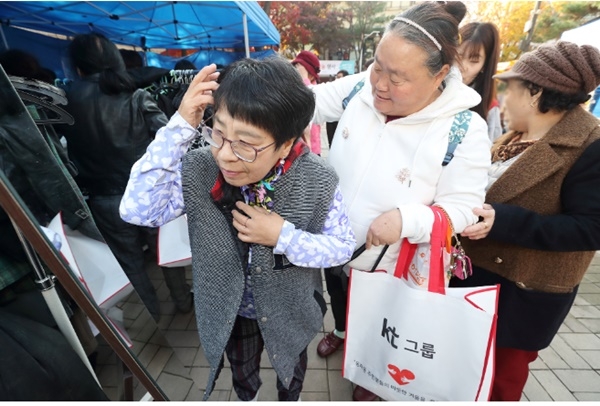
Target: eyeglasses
[(240, 149)]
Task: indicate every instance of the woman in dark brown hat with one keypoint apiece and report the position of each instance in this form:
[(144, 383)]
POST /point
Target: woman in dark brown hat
[(540, 227)]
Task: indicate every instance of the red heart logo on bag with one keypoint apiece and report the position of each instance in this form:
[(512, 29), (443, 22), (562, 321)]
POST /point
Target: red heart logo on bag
[(401, 376)]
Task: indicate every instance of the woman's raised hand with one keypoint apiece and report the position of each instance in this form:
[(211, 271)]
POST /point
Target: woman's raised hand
[(199, 95)]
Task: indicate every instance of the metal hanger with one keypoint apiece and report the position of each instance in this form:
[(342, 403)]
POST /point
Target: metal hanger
[(41, 89), (63, 116)]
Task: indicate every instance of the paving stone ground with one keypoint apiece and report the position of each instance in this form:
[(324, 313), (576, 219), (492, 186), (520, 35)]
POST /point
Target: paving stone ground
[(568, 370)]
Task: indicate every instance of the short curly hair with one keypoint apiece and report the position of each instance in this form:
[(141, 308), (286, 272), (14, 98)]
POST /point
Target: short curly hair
[(554, 100)]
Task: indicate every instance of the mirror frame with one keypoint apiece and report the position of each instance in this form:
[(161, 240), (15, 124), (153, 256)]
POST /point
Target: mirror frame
[(57, 265)]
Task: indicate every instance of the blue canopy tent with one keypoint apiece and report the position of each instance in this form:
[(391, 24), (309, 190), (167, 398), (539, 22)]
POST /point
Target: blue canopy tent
[(51, 52), (150, 24), (48, 50), (202, 25), (203, 58)]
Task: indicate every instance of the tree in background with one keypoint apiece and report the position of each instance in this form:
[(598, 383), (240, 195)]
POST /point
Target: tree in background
[(284, 16), (324, 26), (511, 17), (302, 24), (366, 17), (325, 22), (559, 17)]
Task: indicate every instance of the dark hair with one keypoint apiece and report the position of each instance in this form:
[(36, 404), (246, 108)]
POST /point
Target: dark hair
[(48, 75), (343, 72), (476, 36), (268, 94), (20, 63), (184, 64), (94, 53), (131, 58), (440, 19), (553, 100)]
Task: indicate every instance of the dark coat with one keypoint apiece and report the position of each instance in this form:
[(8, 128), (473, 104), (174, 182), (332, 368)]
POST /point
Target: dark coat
[(545, 233), (547, 203), (111, 132)]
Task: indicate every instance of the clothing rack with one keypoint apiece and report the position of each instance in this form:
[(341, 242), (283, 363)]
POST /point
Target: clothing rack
[(184, 76)]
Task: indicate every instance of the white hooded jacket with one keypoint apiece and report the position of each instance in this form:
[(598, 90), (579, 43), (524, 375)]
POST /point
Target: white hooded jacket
[(383, 166)]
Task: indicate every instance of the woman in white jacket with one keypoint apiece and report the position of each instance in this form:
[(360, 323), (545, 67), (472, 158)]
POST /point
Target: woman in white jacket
[(392, 139)]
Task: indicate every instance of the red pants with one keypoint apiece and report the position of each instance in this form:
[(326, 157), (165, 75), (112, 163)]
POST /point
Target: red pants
[(512, 370)]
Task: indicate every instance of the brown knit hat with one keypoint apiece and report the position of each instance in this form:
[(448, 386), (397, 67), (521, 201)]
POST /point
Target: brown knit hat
[(563, 67)]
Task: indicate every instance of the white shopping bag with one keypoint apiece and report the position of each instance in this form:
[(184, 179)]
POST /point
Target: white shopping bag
[(94, 264), (404, 343), (174, 243)]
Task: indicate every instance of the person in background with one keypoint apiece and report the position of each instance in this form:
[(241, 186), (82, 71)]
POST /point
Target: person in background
[(540, 225), (478, 61), (145, 77), (341, 74), (264, 216), (114, 123), (309, 66), (392, 138), (16, 62), (184, 64), (48, 76), (131, 58), (331, 127)]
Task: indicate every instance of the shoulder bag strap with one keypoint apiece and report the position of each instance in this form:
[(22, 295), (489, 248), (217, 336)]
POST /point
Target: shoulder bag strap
[(355, 90), (459, 128)]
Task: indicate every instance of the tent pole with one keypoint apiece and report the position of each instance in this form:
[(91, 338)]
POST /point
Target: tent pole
[(246, 40), (6, 48)]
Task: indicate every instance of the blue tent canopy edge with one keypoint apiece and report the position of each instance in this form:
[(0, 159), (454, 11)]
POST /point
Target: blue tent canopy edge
[(149, 24), (216, 29)]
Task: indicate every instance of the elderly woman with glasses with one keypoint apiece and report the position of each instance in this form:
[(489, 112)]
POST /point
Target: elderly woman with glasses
[(264, 216)]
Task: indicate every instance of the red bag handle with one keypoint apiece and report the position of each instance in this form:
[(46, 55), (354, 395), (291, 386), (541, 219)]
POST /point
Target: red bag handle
[(437, 243)]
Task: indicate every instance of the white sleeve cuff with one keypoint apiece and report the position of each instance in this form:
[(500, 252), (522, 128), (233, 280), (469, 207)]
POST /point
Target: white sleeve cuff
[(285, 237), (417, 221), (185, 129)]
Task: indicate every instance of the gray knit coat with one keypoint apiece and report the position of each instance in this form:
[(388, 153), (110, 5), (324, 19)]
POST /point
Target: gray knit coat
[(288, 299)]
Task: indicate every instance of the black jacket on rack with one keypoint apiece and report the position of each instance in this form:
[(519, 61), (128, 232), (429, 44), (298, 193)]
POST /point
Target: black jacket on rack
[(37, 175), (110, 133)]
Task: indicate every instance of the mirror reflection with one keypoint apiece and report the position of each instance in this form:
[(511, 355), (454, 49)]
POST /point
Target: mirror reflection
[(39, 176)]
